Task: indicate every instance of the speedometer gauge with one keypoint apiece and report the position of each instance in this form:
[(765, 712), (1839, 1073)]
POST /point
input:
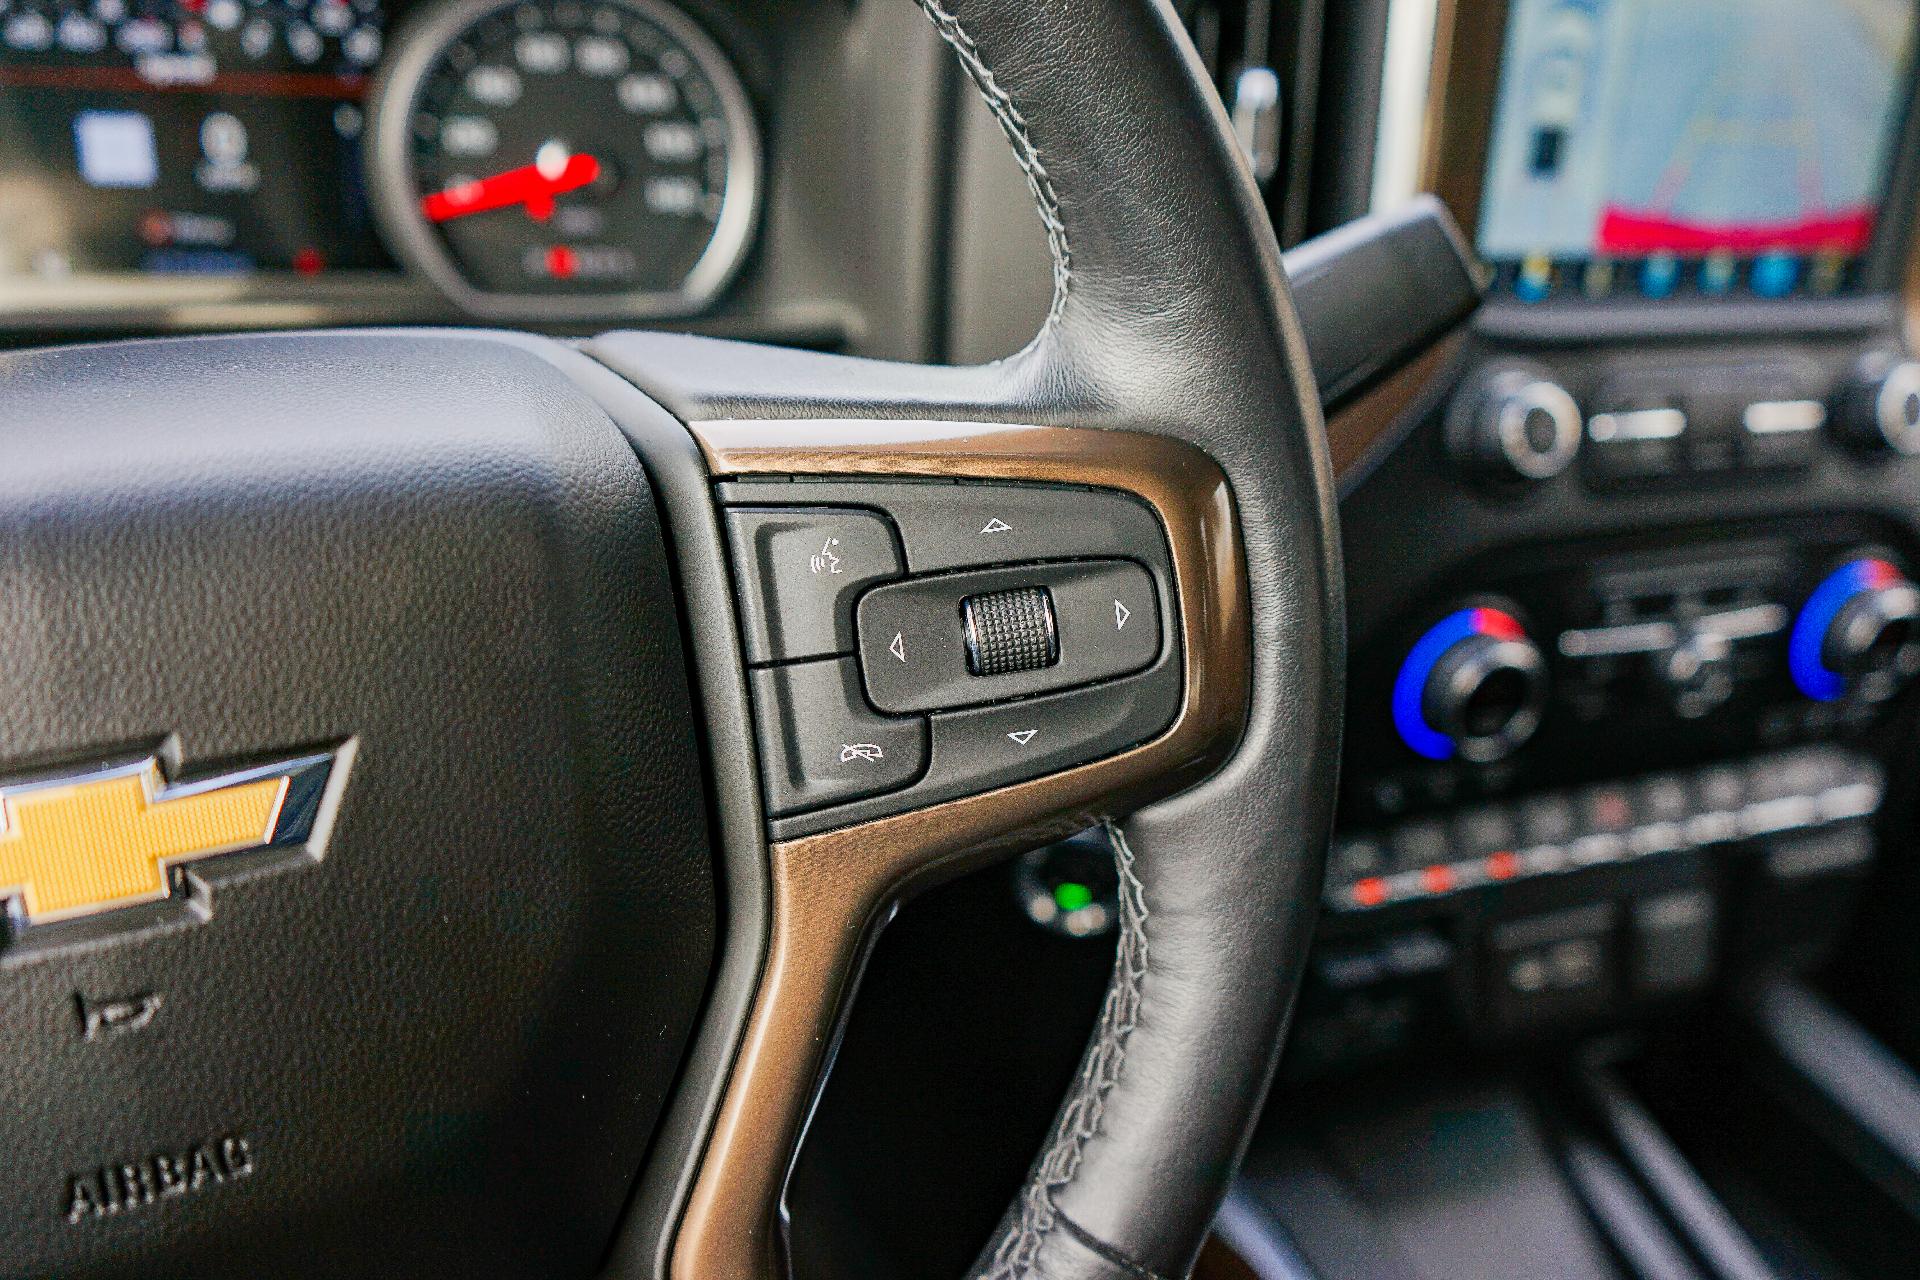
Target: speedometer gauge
[(566, 158)]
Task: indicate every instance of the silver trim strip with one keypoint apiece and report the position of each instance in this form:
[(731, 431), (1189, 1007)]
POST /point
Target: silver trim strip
[(1635, 425), (1784, 417), (1609, 642), (1746, 624)]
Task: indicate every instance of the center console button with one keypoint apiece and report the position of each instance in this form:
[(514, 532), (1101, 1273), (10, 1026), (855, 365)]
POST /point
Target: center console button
[(820, 744), (1482, 830), (1606, 807), (1672, 941), (1355, 858), (1721, 788), (1664, 797), (1547, 818), (1551, 967), (1805, 771), (1418, 844)]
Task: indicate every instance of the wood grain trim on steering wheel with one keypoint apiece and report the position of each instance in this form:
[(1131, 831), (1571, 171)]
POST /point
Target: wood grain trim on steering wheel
[(829, 890)]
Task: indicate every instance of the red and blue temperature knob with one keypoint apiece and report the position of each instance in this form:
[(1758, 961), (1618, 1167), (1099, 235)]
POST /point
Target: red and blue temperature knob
[(1858, 635), (1471, 688)]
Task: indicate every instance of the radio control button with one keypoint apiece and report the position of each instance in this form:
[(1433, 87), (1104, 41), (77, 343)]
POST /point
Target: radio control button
[(1781, 433), (1636, 443)]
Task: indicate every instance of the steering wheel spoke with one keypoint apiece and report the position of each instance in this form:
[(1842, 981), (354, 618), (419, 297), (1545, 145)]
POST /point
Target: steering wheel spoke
[(1124, 538)]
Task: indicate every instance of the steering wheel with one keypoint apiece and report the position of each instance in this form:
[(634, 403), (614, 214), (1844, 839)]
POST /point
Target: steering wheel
[(404, 872)]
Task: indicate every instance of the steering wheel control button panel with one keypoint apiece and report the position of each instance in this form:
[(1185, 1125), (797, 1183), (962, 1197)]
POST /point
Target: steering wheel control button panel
[(798, 573), (923, 647), (1034, 624), (820, 744)]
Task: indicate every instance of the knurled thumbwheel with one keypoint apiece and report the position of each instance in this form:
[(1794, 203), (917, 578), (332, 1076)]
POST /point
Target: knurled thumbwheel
[(1009, 631)]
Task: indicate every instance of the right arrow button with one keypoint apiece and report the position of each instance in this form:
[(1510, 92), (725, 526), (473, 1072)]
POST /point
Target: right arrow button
[(1108, 617)]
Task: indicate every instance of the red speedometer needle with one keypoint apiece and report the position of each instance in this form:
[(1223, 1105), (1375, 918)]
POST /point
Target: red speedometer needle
[(526, 186)]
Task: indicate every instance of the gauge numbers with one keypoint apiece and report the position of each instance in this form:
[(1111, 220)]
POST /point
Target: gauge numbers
[(566, 158)]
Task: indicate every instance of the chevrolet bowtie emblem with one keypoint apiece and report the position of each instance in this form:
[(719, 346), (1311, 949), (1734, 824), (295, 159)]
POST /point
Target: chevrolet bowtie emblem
[(102, 838)]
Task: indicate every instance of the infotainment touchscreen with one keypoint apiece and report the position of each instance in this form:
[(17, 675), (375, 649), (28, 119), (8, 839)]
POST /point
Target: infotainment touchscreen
[(1692, 148)]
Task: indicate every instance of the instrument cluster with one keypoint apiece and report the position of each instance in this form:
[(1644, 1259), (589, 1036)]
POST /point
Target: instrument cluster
[(526, 159)]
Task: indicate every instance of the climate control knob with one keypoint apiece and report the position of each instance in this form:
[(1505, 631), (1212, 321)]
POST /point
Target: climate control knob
[(1471, 688), (1858, 635), (1880, 409), (1514, 423)]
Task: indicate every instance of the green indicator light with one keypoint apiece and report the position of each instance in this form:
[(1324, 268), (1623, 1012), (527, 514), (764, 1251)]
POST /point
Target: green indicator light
[(1071, 897)]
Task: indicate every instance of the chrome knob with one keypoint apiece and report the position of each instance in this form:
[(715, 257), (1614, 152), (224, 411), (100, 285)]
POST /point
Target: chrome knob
[(1515, 423), (1880, 408)]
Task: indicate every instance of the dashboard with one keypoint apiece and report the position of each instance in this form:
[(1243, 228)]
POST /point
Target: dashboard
[(562, 159), (748, 169), (1635, 616)]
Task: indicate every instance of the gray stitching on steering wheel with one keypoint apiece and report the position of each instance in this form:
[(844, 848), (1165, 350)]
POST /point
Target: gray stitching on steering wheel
[(1080, 1115), (1014, 125)]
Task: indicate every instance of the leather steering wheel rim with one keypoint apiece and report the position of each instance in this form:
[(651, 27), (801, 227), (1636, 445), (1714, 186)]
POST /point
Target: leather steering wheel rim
[(1171, 315), (1219, 885)]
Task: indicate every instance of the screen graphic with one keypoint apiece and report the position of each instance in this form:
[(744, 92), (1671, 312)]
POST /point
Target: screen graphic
[(1653, 148), (184, 137)]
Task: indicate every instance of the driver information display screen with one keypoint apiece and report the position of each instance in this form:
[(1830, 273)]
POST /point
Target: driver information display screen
[(184, 137), (1663, 148)]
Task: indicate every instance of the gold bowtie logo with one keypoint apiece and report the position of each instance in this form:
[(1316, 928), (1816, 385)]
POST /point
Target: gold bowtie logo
[(80, 844)]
